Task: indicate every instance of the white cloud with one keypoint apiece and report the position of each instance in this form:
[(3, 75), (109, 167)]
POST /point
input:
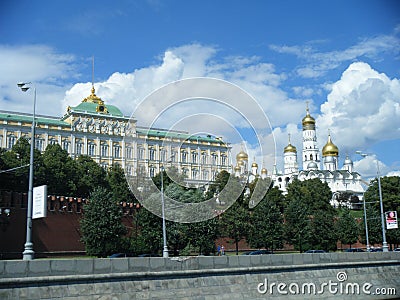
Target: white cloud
[(362, 108), (319, 63), (49, 71)]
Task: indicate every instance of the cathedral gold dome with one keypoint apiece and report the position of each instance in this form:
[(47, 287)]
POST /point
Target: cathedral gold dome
[(308, 122), (264, 171), (330, 149), (290, 148), (242, 156), (254, 165)]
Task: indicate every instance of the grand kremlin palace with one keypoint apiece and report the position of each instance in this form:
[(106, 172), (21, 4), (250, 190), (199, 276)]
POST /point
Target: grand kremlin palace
[(98, 130)]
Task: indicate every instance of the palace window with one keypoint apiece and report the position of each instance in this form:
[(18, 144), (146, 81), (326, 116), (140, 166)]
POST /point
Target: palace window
[(174, 156), (204, 158), (152, 171), (11, 139), (214, 158), (163, 155), (205, 175), (184, 156), (117, 151), (152, 154), (194, 173), (129, 153), (141, 153), (104, 150), (66, 145), (78, 148), (52, 141), (223, 160), (39, 144), (91, 149), (194, 157)]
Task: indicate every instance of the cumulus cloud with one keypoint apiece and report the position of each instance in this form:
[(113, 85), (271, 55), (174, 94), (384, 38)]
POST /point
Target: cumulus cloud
[(365, 101), (257, 78), (48, 70)]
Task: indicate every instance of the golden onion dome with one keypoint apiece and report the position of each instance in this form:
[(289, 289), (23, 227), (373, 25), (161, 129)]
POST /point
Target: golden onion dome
[(308, 122), (237, 168), (254, 165), (264, 171), (330, 149), (290, 148), (242, 156)]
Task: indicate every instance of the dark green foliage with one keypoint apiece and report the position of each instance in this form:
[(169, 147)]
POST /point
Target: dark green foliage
[(309, 217), (390, 193), (266, 222), (374, 226), (117, 182), (89, 175), (101, 227), (347, 228), (60, 171)]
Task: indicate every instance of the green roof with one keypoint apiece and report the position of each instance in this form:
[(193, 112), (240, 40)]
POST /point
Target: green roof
[(162, 133), (91, 108), (14, 117)]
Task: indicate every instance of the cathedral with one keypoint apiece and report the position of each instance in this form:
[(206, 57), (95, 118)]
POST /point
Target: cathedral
[(340, 180)]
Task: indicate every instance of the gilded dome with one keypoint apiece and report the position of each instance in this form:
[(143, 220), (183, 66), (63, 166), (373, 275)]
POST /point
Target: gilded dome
[(254, 165), (330, 149), (308, 121), (242, 156), (237, 168), (290, 148), (264, 171)]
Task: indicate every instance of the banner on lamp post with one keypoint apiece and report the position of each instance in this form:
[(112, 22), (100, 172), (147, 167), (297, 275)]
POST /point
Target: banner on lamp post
[(39, 207), (391, 219)]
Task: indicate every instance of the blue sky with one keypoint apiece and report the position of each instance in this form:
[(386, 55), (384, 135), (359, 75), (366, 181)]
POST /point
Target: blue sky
[(341, 56)]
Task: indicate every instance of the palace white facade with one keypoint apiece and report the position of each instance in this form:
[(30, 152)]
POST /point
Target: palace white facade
[(339, 180), (102, 132)]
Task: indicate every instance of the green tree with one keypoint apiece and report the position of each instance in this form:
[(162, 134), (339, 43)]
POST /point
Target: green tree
[(149, 238), (297, 226), (309, 217), (347, 228), (59, 171), (101, 226), (266, 222), (118, 185), (89, 176), (390, 186), (202, 235), (374, 226)]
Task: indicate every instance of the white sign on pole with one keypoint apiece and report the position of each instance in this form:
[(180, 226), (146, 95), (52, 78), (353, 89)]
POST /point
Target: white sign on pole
[(39, 207), (391, 220)]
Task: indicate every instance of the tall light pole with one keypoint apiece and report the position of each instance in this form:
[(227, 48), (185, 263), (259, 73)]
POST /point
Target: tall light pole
[(385, 247), (28, 253), (164, 229), (366, 225)]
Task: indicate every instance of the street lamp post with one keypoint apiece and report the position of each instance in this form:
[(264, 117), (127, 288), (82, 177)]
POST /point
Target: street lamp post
[(164, 229), (366, 225), (28, 253), (385, 247)]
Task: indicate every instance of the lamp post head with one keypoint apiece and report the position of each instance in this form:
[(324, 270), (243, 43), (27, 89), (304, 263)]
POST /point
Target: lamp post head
[(24, 86)]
